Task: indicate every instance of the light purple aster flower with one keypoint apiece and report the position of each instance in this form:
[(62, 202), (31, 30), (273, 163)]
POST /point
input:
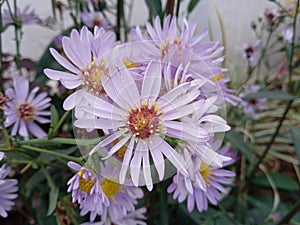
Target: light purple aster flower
[(92, 18), (183, 48), (122, 197), (87, 191), (8, 187), (140, 118), (26, 108), (25, 17), (204, 183), (102, 194), (213, 124), (251, 52), (251, 106), (136, 217), (85, 62), (187, 49)]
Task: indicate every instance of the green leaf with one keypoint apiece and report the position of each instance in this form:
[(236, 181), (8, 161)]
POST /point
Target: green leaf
[(54, 121), (53, 196), (155, 8), (282, 182), (277, 95), (295, 133), (236, 140), (192, 5)]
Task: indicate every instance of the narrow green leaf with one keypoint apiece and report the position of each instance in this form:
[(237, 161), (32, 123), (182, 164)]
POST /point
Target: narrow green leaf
[(281, 181), (54, 121), (192, 5), (295, 133), (236, 140), (155, 8), (277, 95), (53, 196)]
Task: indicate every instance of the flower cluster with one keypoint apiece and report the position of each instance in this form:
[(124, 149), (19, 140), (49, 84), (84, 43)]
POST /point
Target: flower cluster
[(156, 100), (8, 187), (26, 108)]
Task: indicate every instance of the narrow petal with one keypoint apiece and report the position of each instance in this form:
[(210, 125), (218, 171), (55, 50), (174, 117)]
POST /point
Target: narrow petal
[(151, 82), (175, 158), (126, 160), (63, 61)]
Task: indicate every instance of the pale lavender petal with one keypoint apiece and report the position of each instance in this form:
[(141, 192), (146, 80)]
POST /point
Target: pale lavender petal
[(107, 141), (126, 160), (158, 159), (36, 130), (175, 158), (63, 61), (151, 82), (21, 84), (135, 164), (147, 171)]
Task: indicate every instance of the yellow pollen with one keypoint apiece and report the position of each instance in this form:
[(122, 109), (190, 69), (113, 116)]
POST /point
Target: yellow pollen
[(144, 120), (92, 76), (218, 77), (85, 184), (129, 64), (205, 172), (110, 188)]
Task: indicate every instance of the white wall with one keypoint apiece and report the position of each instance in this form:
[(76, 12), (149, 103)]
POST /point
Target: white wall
[(236, 14)]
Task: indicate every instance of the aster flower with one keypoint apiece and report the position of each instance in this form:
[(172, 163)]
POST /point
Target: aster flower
[(85, 62), (122, 197), (26, 108), (102, 194), (251, 52), (186, 46), (25, 17), (136, 217), (87, 191), (8, 187), (251, 106), (140, 118), (92, 18), (213, 124), (187, 50), (204, 183)]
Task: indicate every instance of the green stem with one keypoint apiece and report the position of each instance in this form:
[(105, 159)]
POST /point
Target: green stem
[(178, 8), (268, 147), (289, 216), (56, 154), (46, 141), (120, 14), (18, 38), (6, 136), (60, 122)]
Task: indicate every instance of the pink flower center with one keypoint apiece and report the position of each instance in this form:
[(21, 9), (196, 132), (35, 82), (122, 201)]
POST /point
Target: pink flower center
[(26, 111), (144, 121)]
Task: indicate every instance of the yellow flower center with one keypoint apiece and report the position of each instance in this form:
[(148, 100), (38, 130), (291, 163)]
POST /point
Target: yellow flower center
[(85, 184), (144, 121), (205, 172), (218, 77), (26, 111), (110, 188), (129, 64), (92, 76)]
